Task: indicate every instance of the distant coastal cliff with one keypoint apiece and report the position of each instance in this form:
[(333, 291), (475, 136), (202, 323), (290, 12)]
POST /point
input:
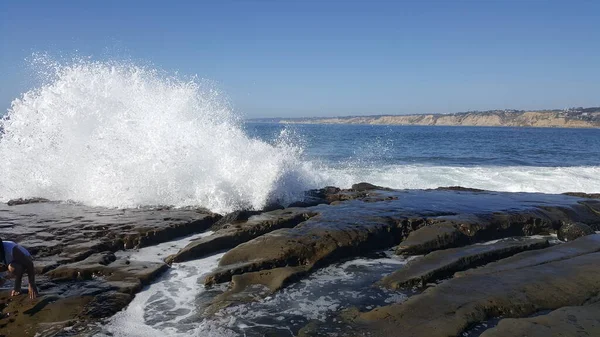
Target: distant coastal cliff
[(571, 118)]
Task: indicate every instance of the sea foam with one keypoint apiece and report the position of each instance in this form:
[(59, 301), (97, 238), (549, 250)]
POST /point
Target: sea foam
[(117, 134)]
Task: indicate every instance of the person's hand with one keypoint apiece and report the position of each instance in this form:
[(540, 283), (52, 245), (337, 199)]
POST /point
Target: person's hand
[(33, 293), (15, 293)]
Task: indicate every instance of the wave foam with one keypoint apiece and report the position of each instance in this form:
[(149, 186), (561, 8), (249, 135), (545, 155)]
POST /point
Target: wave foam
[(494, 178), (119, 135)]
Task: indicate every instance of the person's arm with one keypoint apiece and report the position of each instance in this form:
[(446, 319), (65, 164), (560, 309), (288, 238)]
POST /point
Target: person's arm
[(27, 266), (17, 270)]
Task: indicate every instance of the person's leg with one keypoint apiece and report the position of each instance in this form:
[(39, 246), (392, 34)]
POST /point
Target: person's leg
[(16, 270)]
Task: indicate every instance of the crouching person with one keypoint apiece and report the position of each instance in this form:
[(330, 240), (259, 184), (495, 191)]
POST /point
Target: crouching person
[(17, 260)]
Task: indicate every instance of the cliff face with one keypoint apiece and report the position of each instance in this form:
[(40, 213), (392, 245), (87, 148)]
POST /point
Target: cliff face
[(512, 119)]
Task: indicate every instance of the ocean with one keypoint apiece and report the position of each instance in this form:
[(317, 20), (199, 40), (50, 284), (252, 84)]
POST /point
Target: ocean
[(117, 134), (114, 134), (418, 157)]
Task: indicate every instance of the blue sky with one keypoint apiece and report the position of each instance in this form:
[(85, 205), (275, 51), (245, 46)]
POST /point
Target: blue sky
[(326, 58)]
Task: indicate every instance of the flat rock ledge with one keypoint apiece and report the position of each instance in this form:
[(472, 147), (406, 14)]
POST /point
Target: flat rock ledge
[(444, 263), (232, 234), (532, 282), (78, 275), (82, 280), (582, 246), (581, 321), (417, 222)]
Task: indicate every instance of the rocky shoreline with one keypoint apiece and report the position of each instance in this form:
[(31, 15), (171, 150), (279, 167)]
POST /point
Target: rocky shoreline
[(518, 258)]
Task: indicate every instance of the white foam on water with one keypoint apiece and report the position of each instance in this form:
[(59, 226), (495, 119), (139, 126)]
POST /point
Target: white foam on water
[(170, 306), (116, 134), (165, 306), (120, 135), (494, 178), (159, 252), (320, 296), (552, 238)]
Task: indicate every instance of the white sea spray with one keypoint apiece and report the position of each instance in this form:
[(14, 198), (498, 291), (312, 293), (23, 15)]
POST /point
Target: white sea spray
[(120, 135)]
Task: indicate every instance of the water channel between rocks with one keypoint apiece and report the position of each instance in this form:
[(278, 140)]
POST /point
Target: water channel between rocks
[(173, 304)]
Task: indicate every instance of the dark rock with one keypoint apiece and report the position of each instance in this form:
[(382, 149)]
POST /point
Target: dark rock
[(272, 207), (27, 318), (231, 235), (107, 304), (234, 217), (434, 237), (568, 321), (243, 287), (323, 193), (451, 307), (80, 279), (584, 245), (316, 197), (459, 189), (571, 231), (311, 243), (583, 195), (21, 201), (139, 272), (358, 227), (331, 195), (361, 187), (444, 263), (459, 230), (84, 281), (304, 203)]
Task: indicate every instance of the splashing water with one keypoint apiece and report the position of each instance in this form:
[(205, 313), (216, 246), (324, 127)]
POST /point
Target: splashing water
[(120, 135)]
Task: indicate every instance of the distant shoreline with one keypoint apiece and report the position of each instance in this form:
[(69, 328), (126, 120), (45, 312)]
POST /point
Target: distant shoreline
[(575, 118)]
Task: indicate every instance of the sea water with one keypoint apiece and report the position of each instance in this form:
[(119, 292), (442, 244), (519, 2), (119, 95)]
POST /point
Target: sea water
[(117, 134), (507, 159)]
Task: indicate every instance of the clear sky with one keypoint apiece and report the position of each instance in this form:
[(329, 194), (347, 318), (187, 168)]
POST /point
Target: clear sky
[(326, 58)]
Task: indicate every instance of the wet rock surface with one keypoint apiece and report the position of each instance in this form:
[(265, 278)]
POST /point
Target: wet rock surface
[(578, 321), (571, 231), (519, 286), (582, 246), (79, 277), (444, 263), (82, 269), (236, 232), (451, 307), (420, 222)]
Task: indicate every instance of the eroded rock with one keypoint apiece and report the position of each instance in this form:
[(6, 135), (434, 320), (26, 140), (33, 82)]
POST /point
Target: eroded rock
[(444, 263), (451, 307), (249, 286), (583, 195), (233, 234), (432, 220), (434, 237), (360, 187), (74, 247), (573, 230), (314, 242), (568, 321), (584, 245), (79, 277), (22, 201), (459, 230), (48, 314)]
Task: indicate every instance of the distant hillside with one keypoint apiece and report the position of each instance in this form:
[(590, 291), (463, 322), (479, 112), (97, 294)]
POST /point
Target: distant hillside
[(571, 118)]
